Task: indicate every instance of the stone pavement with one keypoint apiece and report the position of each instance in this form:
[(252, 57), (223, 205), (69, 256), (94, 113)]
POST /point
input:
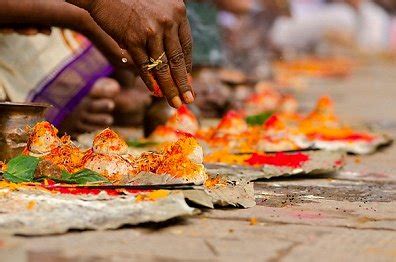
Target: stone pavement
[(350, 216)]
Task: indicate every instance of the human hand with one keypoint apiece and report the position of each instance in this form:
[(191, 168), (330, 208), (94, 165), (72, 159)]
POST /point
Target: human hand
[(95, 112), (118, 57), (148, 29), (26, 30)]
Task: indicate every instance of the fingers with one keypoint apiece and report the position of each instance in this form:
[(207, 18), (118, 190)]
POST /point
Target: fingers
[(162, 72), (21, 31), (186, 43), (141, 60), (97, 108), (6, 31), (105, 88), (27, 30), (104, 105), (102, 120), (177, 64), (89, 121)]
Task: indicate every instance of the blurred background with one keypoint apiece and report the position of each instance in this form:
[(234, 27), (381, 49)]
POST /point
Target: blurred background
[(238, 47)]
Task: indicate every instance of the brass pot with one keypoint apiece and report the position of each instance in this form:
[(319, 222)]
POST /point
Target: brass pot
[(14, 118)]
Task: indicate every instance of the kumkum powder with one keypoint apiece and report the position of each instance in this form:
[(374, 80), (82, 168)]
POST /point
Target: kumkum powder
[(294, 160)]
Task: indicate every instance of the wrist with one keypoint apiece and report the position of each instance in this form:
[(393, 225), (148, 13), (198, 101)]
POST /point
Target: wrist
[(77, 19)]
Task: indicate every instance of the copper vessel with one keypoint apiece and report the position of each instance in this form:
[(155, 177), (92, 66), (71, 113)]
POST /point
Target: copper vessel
[(14, 118)]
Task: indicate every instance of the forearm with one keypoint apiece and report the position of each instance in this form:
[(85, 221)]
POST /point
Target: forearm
[(42, 12), (58, 13)]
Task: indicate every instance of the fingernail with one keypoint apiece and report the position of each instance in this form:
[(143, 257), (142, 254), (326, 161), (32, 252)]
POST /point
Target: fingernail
[(176, 102), (188, 97)]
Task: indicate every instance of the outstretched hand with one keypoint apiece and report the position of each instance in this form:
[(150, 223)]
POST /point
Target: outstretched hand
[(147, 29)]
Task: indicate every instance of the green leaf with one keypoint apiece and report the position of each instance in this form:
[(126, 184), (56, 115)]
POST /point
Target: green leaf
[(259, 119), (81, 177), (140, 144), (21, 169), (11, 178)]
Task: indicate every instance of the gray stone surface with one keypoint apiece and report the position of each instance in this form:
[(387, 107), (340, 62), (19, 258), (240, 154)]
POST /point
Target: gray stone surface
[(55, 214), (348, 217)]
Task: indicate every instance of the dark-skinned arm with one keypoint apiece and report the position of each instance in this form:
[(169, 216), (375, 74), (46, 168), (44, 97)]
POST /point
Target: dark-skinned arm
[(57, 13), (151, 29)]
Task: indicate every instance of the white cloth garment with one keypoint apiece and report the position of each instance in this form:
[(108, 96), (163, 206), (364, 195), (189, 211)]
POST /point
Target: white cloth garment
[(25, 60)]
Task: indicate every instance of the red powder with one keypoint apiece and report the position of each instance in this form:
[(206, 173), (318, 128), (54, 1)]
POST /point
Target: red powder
[(278, 159), (184, 134), (156, 89), (50, 185), (256, 98), (183, 110), (351, 138), (226, 121), (82, 191), (339, 163), (91, 191), (233, 114), (271, 121)]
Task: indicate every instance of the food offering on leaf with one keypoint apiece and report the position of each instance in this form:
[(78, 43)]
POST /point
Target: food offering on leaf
[(38, 210), (276, 136), (233, 123), (184, 160), (266, 165), (109, 142), (289, 131), (56, 153), (322, 129), (49, 157), (3, 167), (315, 67), (236, 131), (231, 133), (184, 120), (295, 159), (43, 138), (246, 130), (239, 134), (182, 123), (163, 134), (268, 99)]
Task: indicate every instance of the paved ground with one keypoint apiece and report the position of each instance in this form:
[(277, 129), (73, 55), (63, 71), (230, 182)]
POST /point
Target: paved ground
[(350, 216)]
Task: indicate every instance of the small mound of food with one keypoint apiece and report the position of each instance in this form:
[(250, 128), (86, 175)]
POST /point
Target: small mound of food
[(49, 157), (323, 130), (315, 67), (290, 131), (182, 123), (268, 99)]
